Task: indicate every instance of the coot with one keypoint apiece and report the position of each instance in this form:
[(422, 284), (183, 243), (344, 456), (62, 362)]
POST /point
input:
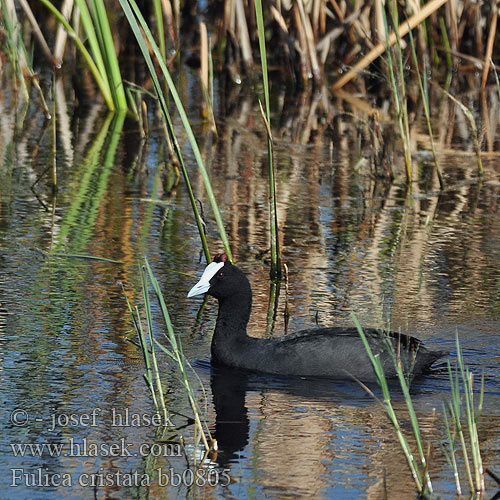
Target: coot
[(336, 353)]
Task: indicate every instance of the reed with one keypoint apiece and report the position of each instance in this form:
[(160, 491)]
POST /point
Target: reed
[(207, 76), (424, 92), (105, 70), (54, 136), (273, 213), (419, 471), (160, 27), (174, 352), (398, 88), (381, 47), (463, 377), (470, 117), (18, 54), (145, 40), (99, 21), (452, 418)]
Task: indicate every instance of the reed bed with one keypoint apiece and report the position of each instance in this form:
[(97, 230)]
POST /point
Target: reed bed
[(355, 51)]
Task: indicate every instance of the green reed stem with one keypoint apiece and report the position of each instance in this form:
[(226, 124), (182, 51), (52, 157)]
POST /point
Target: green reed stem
[(148, 376), (422, 84), (177, 354), (160, 27), (100, 77), (273, 213), (448, 58), (472, 418), (451, 456), (382, 382), (398, 90), (108, 49), (135, 18)]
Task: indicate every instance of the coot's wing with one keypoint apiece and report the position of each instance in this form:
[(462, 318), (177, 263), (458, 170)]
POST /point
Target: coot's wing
[(406, 341)]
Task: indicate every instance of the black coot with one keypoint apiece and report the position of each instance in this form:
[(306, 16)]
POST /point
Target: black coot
[(336, 353)]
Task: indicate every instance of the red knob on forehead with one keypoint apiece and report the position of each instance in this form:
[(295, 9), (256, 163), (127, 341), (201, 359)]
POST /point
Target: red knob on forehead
[(221, 257)]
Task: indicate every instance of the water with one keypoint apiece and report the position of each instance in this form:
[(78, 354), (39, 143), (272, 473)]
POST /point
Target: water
[(69, 375)]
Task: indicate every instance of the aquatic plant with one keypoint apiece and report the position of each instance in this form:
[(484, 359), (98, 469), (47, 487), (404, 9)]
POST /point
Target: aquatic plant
[(103, 63), (174, 352), (273, 215), (461, 376), (144, 38)]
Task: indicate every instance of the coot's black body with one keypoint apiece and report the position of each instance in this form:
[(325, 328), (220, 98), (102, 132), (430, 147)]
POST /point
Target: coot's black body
[(336, 353)]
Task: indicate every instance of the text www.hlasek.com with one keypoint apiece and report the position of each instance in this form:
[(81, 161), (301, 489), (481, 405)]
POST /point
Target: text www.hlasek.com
[(88, 449)]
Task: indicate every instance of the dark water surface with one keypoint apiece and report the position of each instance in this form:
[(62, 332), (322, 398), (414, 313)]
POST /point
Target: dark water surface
[(426, 264)]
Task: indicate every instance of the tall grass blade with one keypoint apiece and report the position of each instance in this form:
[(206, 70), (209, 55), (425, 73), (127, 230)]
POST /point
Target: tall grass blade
[(178, 355), (160, 27), (399, 90), (156, 372), (472, 418)]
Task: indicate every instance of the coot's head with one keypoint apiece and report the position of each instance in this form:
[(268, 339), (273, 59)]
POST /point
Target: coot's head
[(221, 279)]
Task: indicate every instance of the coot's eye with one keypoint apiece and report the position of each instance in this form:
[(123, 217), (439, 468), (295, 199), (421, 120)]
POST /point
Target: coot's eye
[(221, 275)]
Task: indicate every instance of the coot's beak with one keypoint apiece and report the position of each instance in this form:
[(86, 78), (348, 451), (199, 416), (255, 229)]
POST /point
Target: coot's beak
[(204, 284)]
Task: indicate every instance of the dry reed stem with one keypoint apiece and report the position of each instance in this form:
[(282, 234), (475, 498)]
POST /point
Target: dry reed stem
[(453, 24), (380, 48), (39, 35), (478, 28), (309, 37), (169, 16), (204, 54), (337, 10), (266, 123), (243, 36), (62, 34), (362, 105), (304, 61), (489, 46), (279, 19)]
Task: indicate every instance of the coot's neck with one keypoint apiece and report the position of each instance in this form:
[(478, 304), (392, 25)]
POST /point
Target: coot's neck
[(231, 327), (234, 313)]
